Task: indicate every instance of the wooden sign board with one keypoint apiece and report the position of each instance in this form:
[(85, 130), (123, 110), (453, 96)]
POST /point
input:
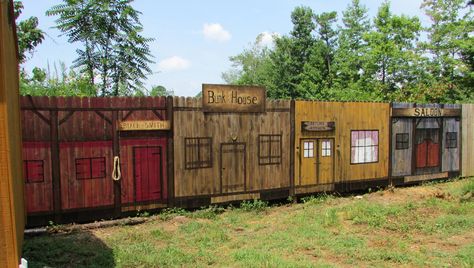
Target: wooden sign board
[(317, 126), (425, 112), (144, 125), (237, 99)]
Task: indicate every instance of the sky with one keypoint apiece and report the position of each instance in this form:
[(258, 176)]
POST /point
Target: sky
[(194, 39)]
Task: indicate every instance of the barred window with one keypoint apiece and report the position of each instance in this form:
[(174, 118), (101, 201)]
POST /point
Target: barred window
[(33, 170), (90, 168), (364, 146), (451, 140), (402, 141), (269, 149), (197, 153)]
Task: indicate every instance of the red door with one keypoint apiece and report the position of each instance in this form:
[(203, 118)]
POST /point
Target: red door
[(147, 173), (427, 148)]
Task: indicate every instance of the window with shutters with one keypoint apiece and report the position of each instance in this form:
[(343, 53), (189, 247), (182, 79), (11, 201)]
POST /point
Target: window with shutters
[(90, 168)]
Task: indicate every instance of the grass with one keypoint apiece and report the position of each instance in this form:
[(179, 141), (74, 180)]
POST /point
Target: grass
[(429, 225)]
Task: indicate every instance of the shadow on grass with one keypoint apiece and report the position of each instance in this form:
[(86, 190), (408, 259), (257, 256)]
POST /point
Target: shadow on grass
[(81, 249)]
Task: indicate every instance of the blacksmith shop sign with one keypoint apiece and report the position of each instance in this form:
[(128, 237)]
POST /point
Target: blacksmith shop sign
[(317, 126), (239, 99), (144, 125)]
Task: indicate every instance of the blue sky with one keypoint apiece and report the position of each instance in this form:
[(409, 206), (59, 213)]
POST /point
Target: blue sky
[(194, 39)]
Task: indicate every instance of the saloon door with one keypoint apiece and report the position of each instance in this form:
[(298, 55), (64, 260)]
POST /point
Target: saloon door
[(427, 146)]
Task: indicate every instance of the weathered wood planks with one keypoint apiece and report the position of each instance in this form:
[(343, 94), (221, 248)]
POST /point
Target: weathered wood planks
[(12, 214)]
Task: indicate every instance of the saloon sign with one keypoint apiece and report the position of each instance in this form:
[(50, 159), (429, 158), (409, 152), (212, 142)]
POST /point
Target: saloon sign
[(425, 112), (226, 98)]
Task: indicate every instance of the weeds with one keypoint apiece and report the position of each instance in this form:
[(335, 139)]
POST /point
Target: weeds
[(255, 206), (170, 213), (210, 212)]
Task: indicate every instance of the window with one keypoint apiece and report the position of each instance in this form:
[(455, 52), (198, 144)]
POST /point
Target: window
[(90, 168), (364, 146), (451, 139), (197, 153), (269, 149), (401, 141), (33, 171), (326, 148), (308, 149)]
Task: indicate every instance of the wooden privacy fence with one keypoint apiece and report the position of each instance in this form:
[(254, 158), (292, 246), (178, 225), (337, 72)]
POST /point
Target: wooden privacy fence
[(174, 151), (69, 145)]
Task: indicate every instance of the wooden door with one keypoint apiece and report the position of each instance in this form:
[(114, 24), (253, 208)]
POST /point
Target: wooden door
[(233, 167), (308, 160), (325, 164), (147, 173), (427, 148)]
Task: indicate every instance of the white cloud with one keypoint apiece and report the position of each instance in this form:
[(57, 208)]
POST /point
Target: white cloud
[(215, 32), (174, 63), (267, 38)]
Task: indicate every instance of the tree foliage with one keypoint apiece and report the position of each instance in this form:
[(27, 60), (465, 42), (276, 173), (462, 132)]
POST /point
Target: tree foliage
[(114, 51), (367, 59), (28, 33)]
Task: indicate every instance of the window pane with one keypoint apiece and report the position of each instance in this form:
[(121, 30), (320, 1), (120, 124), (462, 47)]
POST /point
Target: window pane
[(98, 168), (198, 152)]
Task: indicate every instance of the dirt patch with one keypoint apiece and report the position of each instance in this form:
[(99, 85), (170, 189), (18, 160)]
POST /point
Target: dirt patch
[(408, 194)]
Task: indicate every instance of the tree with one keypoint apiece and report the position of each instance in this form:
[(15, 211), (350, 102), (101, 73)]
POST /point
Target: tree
[(28, 33), (448, 46), (391, 58), (251, 67), (157, 91), (328, 36), (114, 49), (351, 54), (290, 55)]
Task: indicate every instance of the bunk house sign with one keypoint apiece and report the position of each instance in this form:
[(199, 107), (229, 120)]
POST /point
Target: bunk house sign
[(239, 99), (144, 125), (425, 112)]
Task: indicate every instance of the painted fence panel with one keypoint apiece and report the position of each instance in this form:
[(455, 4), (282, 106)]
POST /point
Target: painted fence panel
[(202, 160), (467, 140), (77, 140)]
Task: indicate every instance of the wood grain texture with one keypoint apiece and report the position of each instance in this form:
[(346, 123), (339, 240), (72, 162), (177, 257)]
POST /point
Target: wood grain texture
[(467, 140), (347, 116), (450, 155), (12, 214), (84, 131), (189, 121), (402, 158), (235, 99)]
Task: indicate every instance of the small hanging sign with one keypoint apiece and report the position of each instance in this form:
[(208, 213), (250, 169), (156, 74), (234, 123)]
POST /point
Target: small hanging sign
[(317, 126), (144, 125)]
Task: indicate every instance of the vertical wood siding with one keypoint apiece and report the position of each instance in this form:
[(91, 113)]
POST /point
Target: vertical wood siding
[(80, 132), (467, 140), (12, 212), (348, 116), (228, 128), (402, 158), (451, 156)]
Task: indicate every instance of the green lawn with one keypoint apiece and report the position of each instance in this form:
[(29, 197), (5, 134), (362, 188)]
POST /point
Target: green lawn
[(428, 225)]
